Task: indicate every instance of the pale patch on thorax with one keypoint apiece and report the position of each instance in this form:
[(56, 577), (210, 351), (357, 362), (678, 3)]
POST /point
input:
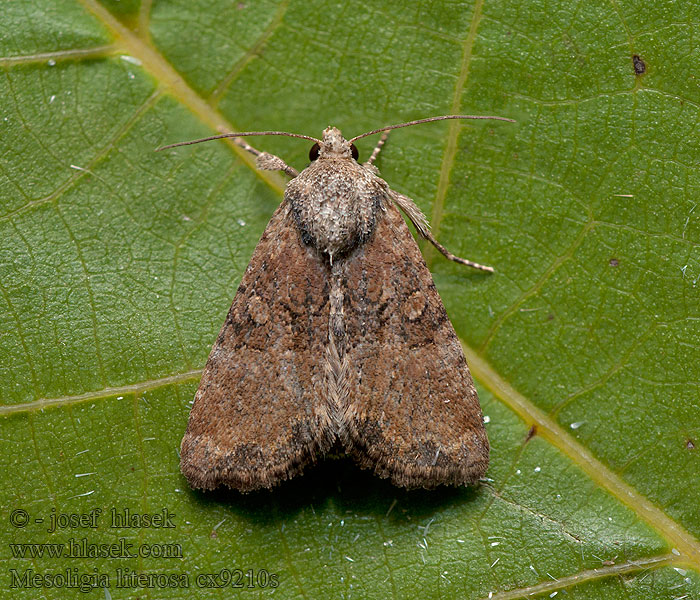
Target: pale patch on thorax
[(335, 201)]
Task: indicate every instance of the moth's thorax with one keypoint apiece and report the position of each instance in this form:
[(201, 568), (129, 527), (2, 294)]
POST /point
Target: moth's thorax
[(335, 202)]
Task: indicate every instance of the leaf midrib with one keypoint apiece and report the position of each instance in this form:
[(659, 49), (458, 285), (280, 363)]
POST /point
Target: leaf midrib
[(153, 62), (554, 434)]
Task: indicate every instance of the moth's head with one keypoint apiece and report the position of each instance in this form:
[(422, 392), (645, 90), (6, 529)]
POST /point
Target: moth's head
[(333, 145)]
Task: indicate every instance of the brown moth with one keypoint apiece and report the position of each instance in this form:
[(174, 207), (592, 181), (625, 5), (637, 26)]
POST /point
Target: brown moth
[(336, 336)]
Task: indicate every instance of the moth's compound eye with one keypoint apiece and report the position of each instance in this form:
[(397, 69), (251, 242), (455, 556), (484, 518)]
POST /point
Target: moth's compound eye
[(355, 153), (313, 153)]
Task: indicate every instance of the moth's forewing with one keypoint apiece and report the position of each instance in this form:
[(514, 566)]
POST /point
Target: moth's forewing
[(259, 414), (413, 414)]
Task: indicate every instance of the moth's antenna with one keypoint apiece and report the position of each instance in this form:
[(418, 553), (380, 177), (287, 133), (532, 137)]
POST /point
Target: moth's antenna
[(235, 135), (428, 120)]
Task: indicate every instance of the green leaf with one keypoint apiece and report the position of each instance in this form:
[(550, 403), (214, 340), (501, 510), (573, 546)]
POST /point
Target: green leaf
[(117, 267)]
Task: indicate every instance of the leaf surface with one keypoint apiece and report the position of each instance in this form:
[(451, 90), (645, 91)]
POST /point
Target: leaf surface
[(118, 264)]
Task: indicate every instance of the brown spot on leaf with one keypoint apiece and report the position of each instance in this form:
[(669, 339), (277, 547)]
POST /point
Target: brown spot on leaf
[(614, 262), (532, 432)]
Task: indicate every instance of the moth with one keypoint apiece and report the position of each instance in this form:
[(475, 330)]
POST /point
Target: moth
[(336, 337)]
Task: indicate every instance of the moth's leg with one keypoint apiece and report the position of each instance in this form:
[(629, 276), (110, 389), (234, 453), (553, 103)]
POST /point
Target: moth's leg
[(420, 222), (377, 148), (265, 161)]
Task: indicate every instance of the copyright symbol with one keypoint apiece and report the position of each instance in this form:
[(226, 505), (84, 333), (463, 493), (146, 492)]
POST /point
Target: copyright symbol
[(19, 517)]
